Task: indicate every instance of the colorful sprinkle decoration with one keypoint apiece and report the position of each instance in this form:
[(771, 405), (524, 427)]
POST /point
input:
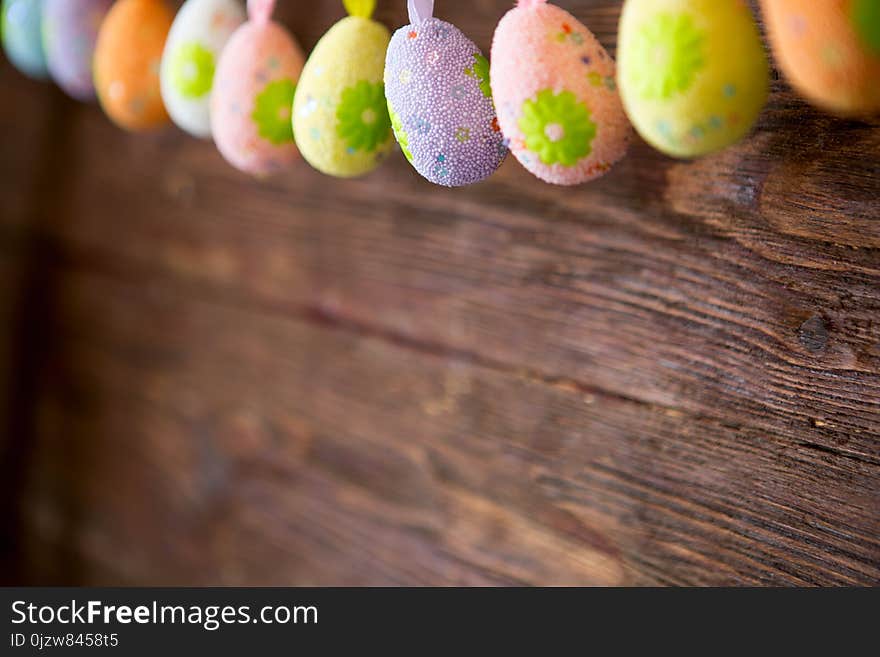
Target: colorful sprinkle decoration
[(562, 118), (440, 101)]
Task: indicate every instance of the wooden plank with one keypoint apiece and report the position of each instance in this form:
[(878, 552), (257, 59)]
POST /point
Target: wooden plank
[(718, 314), (273, 450), (668, 375), (24, 294)]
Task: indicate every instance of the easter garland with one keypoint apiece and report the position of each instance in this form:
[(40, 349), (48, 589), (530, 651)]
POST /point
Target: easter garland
[(691, 77)]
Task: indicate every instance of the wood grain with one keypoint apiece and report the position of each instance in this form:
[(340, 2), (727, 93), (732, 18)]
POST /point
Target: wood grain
[(668, 376)]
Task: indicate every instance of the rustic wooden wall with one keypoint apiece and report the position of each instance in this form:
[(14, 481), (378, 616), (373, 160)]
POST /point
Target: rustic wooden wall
[(669, 376)]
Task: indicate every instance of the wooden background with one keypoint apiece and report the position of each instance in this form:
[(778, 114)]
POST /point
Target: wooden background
[(668, 376)]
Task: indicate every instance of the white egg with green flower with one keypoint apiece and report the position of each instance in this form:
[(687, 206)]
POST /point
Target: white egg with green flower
[(197, 37)]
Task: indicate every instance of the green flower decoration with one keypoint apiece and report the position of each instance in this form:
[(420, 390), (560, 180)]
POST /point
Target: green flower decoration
[(865, 15), (272, 111), (362, 117), (400, 133), (480, 71), (557, 127), (192, 70), (666, 56)]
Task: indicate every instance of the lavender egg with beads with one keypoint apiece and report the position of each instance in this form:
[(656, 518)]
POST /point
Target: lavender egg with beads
[(440, 102)]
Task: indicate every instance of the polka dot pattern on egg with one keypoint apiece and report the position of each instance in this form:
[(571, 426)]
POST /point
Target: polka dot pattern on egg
[(829, 51), (693, 75), (127, 56)]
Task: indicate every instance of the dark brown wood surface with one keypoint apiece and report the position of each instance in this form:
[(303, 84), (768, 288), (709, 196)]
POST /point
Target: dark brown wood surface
[(668, 376)]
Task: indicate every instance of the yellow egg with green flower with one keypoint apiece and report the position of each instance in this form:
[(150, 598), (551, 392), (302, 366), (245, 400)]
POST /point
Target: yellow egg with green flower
[(340, 115), (692, 74)]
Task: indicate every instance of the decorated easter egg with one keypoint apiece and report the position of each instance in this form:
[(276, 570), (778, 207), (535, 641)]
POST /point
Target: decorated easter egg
[(340, 116), (197, 37), (692, 73), (253, 94), (440, 103), (20, 24), (70, 32), (127, 57), (829, 51), (555, 94)]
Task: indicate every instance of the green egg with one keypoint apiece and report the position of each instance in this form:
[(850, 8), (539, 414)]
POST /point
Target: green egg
[(692, 74)]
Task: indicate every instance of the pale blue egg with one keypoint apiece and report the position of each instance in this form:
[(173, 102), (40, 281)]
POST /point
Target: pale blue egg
[(22, 40)]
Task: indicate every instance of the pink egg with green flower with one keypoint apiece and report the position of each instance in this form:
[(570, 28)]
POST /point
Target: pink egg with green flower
[(254, 85), (556, 95)]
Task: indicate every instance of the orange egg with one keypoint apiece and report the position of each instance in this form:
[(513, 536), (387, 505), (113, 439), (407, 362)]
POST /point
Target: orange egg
[(127, 58), (829, 51)]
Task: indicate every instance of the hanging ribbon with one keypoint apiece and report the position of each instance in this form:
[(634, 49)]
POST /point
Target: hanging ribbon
[(420, 10), (361, 8), (260, 11)]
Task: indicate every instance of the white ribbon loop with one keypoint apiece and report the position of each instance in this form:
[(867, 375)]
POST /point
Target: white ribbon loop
[(420, 10)]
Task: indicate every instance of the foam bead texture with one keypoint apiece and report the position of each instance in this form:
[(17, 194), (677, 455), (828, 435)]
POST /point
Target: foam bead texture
[(340, 115), (252, 99), (70, 32), (440, 102), (22, 42), (127, 57), (829, 51), (693, 74), (200, 31), (552, 77)]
